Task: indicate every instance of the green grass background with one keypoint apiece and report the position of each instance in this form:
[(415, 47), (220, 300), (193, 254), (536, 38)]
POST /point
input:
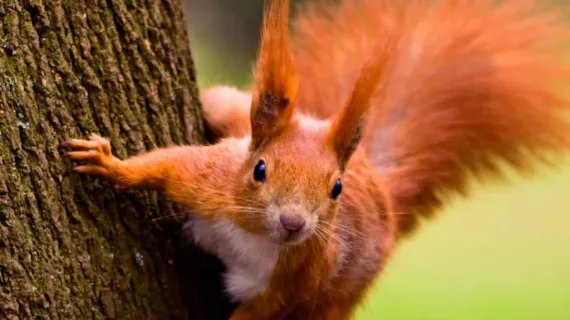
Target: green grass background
[(504, 253)]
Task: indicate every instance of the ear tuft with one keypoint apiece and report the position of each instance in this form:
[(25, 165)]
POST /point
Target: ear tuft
[(348, 128), (269, 108), (276, 80)]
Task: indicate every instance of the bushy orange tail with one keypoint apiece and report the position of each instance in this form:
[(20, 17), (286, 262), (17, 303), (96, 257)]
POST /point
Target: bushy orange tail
[(470, 84)]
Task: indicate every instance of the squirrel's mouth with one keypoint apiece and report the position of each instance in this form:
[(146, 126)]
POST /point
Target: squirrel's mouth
[(288, 239), (291, 237)]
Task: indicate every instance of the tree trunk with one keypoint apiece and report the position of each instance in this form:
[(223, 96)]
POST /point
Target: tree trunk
[(70, 246)]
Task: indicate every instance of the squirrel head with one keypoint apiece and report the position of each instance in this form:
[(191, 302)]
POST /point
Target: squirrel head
[(296, 163)]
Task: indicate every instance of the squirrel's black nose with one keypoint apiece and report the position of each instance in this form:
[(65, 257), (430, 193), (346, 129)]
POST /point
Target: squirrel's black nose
[(292, 223)]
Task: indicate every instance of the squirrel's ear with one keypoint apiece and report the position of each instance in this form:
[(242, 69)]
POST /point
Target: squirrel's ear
[(347, 129), (276, 80)]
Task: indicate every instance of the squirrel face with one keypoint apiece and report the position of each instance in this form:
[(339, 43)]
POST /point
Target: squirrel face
[(295, 179), (293, 176)]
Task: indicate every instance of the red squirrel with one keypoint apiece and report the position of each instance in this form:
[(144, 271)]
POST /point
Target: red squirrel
[(362, 118)]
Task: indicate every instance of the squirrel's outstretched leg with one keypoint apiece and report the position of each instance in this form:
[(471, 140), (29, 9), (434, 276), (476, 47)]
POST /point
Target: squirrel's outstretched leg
[(226, 112), (190, 175)]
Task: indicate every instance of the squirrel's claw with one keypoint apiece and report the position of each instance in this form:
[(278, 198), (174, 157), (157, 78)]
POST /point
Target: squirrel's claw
[(94, 142), (92, 170), (95, 151), (91, 156)]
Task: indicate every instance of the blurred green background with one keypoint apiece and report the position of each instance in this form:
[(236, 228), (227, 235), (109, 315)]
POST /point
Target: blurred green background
[(502, 254)]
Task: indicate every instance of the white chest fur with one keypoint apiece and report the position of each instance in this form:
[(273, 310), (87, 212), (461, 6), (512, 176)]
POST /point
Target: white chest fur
[(249, 259)]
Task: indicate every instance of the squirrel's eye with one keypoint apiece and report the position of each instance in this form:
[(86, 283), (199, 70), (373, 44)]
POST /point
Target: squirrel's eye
[(336, 190), (259, 171)]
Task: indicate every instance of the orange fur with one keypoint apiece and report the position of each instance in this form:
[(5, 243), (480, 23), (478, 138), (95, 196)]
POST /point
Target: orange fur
[(230, 116), (471, 83), (276, 81), (410, 96), (347, 128)]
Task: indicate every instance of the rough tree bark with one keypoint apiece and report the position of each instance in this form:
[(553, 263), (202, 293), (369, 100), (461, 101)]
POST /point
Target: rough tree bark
[(71, 247)]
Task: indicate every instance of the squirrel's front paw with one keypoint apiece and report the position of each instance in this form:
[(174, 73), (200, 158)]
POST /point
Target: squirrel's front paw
[(95, 151)]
